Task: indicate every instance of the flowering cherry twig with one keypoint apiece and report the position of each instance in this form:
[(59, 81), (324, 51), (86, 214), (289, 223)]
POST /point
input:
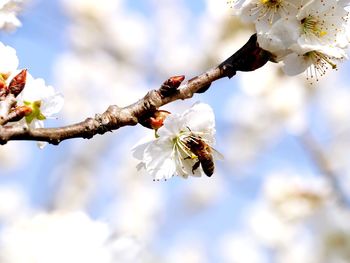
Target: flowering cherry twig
[(248, 58)]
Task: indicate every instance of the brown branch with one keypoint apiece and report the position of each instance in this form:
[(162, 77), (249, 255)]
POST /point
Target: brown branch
[(6, 104), (248, 58)]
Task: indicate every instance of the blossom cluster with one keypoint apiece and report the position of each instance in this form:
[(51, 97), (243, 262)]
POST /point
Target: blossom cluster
[(307, 35), (24, 100)]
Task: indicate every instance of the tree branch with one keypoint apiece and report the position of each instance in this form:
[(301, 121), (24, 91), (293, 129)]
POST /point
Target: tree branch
[(248, 58)]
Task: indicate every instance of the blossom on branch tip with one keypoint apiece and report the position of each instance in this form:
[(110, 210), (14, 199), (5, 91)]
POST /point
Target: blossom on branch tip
[(312, 33), (43, 101), (170, 153)]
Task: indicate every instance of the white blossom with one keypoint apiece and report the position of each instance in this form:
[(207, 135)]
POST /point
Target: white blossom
[(264, 12), (8, 62), (169, 154), (8, 14), (44, 101), (315, 62), (308, 35), (314, 36), (13, 202)]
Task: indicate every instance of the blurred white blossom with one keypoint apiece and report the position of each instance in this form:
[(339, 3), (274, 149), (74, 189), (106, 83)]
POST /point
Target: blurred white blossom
[(295, 197), (187, 249), (237, 248), (64, 237), (8, 14), (13, 203), (9, 61), (268, 227), (55, 238), (98, 76), (14, 154)]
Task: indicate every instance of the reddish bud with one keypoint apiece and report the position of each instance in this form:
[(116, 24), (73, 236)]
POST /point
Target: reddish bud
[(175, 81), (158, 119), (19, 112), (169, 87), (18, 82), (155, 120), (24, 110)]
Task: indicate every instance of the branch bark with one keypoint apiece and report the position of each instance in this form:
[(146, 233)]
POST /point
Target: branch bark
[(248, 58)]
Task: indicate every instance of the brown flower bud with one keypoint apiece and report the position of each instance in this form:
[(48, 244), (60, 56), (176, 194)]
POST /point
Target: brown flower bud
[(175, 81), (18, 82), (19, 112), (169, 87), (154, 120)]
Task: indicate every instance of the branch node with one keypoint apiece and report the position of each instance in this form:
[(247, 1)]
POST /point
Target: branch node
[(169, 87), (55, 141)]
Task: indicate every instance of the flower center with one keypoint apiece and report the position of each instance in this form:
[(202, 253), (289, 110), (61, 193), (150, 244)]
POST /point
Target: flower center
[(271, 3), (320, 64), (314, 26), (180, 143), (36, 113), (268, 9)]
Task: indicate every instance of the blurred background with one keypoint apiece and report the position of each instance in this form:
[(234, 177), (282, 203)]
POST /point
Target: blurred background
[(280, 195)]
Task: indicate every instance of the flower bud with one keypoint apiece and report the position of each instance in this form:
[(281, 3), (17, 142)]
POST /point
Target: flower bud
[(18, 82), (169, 87), (154, 120), (175, 81), (19, 112)]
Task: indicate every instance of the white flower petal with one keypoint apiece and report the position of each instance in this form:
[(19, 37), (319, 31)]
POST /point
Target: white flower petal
[(52, 105), (295, 64), (281, 36), (139, 149), (158, 159), (200, 118), (172, 125)]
